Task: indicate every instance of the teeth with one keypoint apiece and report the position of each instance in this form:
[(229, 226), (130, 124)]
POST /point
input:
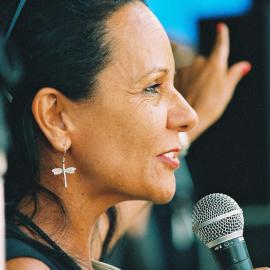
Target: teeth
[(169, 155)]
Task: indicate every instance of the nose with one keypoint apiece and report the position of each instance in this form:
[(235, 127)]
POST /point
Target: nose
[(181, 116)]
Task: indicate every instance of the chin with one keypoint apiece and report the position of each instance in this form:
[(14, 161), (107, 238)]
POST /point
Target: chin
[(165, 198), (164, 193)]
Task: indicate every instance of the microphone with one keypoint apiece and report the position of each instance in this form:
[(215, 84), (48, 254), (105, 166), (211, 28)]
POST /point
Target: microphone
[(218, 222)]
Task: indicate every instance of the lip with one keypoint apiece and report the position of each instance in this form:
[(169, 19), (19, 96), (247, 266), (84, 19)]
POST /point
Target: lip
[(172, 163)]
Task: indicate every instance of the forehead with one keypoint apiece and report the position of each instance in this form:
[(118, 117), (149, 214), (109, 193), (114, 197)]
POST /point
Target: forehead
[(139, 40)]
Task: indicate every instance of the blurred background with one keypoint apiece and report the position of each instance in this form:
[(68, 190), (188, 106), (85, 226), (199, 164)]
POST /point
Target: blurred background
[(231, 157)]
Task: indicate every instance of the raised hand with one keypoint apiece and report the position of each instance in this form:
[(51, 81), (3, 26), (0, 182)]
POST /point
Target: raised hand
[(208, 84)]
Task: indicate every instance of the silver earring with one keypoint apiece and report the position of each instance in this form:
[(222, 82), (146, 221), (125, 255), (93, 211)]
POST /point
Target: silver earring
[(64, 170)]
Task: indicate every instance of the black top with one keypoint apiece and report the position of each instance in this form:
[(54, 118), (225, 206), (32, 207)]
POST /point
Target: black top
[(20, 245), (16, 248)]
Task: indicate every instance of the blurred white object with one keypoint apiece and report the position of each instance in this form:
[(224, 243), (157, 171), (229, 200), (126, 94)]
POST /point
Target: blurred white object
[(184, 142)]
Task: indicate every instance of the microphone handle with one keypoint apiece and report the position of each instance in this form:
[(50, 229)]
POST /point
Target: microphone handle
[(243, 265), (233, 255)]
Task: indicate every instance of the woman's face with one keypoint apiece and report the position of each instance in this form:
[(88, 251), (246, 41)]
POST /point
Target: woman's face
[(125, 142)]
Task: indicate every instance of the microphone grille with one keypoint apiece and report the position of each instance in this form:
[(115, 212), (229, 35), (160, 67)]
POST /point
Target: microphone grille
[(215, 216)]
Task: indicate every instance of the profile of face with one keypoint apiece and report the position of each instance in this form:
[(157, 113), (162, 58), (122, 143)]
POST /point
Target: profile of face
[(136, 114), (124, 141)]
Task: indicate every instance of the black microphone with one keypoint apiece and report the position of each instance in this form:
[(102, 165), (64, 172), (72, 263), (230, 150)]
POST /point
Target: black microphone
[(218, 222)]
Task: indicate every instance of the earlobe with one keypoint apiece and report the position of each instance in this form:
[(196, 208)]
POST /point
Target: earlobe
[(48, 109)]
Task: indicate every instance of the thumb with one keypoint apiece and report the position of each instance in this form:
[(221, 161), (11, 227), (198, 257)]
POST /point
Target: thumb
[(237, 72)]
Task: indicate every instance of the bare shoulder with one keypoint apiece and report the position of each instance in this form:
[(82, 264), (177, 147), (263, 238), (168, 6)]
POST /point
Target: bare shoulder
[(25, 263)]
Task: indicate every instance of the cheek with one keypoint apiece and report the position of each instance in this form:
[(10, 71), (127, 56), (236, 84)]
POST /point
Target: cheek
[(143, 141), (118, 151), (143, 129)]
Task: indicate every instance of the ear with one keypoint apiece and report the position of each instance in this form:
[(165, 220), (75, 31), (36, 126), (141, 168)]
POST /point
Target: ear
[(48, 108)]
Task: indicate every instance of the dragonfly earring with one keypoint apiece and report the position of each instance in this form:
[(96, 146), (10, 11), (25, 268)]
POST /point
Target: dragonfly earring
[(64, 170)]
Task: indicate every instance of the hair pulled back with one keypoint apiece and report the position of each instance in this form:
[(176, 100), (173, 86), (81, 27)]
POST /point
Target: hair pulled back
[(63, 45)]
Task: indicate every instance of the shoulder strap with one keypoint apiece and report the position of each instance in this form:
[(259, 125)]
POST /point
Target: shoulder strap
[(20, 245), (16, 248)]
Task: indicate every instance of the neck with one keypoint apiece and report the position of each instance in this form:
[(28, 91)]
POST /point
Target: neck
[(81, 234)]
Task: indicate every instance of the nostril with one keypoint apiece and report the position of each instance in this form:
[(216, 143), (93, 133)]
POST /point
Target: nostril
[(184, 127), (191, 121)]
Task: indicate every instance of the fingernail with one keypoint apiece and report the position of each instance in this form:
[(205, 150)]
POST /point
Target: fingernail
[(246, 69), (220, 26)]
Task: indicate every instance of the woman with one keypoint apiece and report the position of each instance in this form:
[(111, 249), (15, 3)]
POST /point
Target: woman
[(103, 100), (95, 122)]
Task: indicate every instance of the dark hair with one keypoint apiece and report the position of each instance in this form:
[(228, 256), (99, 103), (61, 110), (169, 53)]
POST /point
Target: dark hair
[(62, 45)]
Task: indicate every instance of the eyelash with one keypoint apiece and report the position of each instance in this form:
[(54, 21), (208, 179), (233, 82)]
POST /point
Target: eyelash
[(153, 89)]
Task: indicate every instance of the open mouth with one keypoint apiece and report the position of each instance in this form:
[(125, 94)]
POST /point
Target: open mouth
[(170, 159)]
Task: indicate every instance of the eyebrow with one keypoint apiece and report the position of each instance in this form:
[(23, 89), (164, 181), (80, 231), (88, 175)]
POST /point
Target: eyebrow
[(154, 70)]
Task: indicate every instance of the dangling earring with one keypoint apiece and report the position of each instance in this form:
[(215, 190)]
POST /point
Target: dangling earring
[(64, 170)]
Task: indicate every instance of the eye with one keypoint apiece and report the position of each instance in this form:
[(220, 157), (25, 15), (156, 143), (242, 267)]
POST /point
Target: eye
[(152, 89)]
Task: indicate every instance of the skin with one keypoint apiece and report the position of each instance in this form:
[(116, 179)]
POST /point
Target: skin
[(208, 84), (114, 139)]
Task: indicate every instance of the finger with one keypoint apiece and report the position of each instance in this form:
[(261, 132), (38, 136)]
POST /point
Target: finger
[(221, 48), (237, 72)]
